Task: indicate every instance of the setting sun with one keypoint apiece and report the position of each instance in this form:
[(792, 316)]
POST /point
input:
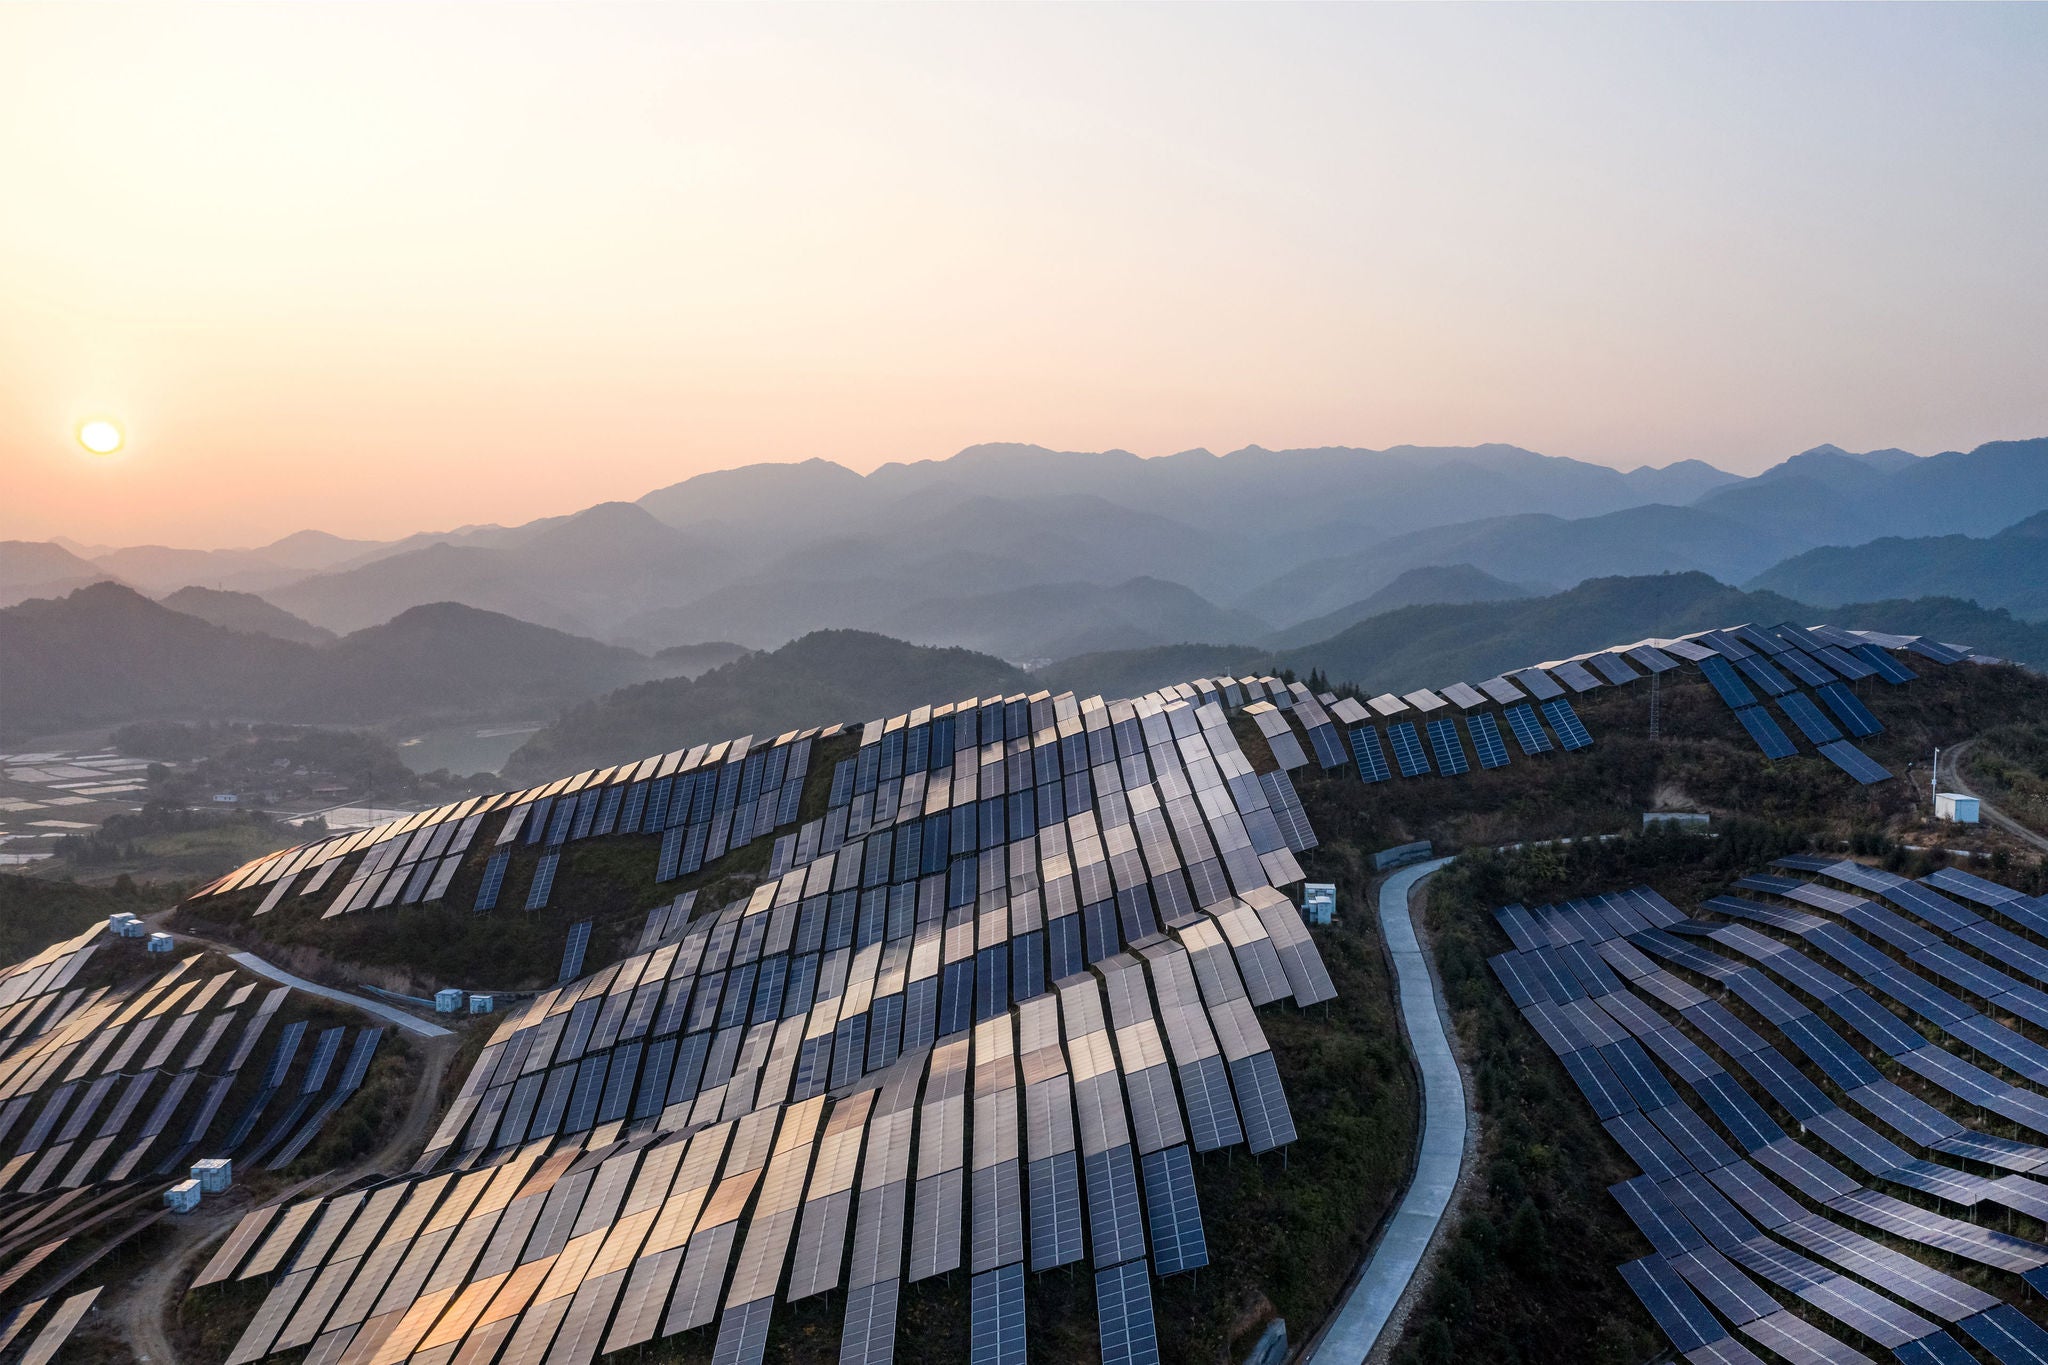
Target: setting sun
[(100, 437)]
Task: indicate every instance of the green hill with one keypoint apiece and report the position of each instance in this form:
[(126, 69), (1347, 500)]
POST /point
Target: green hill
[(828, 675)]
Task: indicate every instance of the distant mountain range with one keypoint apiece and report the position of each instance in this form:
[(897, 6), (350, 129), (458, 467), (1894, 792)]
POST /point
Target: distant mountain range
[(849, 674), (105, 654), (1030, 554)]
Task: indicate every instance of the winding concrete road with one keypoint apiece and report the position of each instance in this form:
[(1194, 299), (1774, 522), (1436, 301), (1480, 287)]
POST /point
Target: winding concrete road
[(1957, 782), (389, 1013), (1370, 1302)]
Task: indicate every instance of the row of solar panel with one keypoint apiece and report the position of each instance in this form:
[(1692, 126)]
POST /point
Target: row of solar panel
[(1451, 758), (1667, 1203)]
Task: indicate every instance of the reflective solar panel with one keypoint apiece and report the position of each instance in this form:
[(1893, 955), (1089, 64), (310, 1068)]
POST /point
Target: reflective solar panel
[(1765, 731), (1854, 762), (572, 952), (1172, 1213), (1123, 1306), (1809, 718), (1371, 758), (1571, 732), (543, 880), (1887, 665), (1449, 749), (1724, 679), (1486, 740), (1765, 675), (1849, 709), (1528, 730), (1408, 748), (494, 879), (996, 1307)]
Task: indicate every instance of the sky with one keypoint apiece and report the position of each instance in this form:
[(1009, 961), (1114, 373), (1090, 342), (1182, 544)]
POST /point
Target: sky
[(384, 268)]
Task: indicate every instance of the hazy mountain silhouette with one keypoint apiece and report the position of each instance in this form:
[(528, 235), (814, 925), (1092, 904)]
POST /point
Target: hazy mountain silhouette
[(246, 612), (107, 654), (1445, 583), (40, 568), (2007, 570), (828, 675)]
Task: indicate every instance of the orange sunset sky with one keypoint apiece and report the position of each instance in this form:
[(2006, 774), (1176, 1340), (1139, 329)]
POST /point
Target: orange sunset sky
[(383, 268)]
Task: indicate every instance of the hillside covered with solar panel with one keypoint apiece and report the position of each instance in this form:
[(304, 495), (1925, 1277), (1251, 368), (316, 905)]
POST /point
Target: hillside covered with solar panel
[(991, 1030)]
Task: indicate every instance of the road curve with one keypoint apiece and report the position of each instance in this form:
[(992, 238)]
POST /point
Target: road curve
[(1957, 782), (1373, 1296), (388, 1013)]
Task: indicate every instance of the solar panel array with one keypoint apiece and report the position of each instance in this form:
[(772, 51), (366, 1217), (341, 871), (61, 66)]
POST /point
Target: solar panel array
[(106, 1084), (958, 960), (1735, 1255), (1747, 661)]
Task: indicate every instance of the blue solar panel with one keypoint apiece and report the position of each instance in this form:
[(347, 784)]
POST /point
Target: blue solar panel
[(1329, 748), (1123, 1307), (1732, 688), (666, 867), (1765, 732), (1055, 1186), (1850, 710), (1528, 730), (996, 1299), (543, 880), (1688, 1322), (494, 878), (1854, 762), (1172, 1213), (1805, 667), (572, 951), (1371, 758), (1765, 675), (1887, 665), (1811, 720), (1485, 732), (1449, 749), (1408, 748), (1114, 1228), (1571, 731)]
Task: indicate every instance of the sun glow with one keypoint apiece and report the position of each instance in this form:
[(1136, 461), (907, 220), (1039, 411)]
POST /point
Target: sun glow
[(100, 436)]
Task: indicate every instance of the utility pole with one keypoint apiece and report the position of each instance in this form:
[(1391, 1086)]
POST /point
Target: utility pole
[(1656, 696), (1934, 778)]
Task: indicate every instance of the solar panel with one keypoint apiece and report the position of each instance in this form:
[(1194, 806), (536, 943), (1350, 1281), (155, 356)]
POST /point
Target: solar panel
[(1765, 675), (1528, 730), (1486, 740), (543, 880), (1371, 758), (1849, 709), (1571, 731), (1765, 732), (1727, 682), (1115, 1231), (1812, 722), (572, 952), (1055, 1211), (1408, 748), (1687, 1321), (494, 879), (1613, 667), (1805, 668), (1449, 749), (1536, 683), (1172, 1213), (1885, 662), (1854, 762), (996, 1305), (1268, 1123), (1123, 1306)]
